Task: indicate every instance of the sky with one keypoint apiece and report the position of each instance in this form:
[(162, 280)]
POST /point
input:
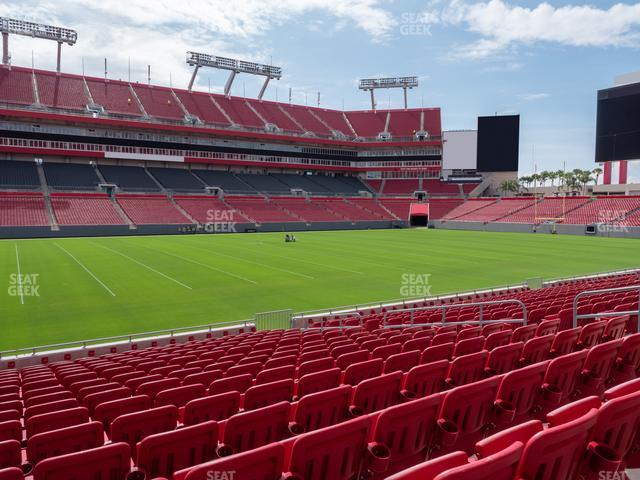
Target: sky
[(545, 61)]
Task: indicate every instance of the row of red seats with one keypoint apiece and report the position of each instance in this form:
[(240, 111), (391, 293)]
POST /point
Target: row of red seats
[(67, 372)]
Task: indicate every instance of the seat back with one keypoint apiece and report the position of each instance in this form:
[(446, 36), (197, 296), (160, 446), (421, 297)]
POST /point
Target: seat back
[(264, 463), (269, 375), (601, 359), (322, 409), (107, 462), (214, 407), (563, 373), (521, 387), (12, 473), (524, 333), (151, 389), (424, 380), (318, 381), (260, 396), (565, 342), (467, 369), (335, 453), (357, 372), (10, 454), (237, 383), (547, 327), (107, 412), (180, 396), (591, 334), (497, 339), (557, 452), (616, 327), (247, 430), (468, 346), (499, 466), (432, 468), (504, 359), (163, 453), (377, 393), (470, 409), (133, 427), (64, 440), (435, 353), (407, 430), (401, 361), (55, 420), (537, 349)]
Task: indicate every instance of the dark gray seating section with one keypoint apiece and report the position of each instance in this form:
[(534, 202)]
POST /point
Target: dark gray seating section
[(305, 182), (70, 176), (177, 179), (264, 183), (340, 184), (129, 178), (227, 181), (18, 175)]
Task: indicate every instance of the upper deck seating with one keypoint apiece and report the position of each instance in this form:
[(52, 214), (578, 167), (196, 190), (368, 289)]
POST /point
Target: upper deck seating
[(367, 123), (114, 96), (16, 86), (61, 91), (158, 102)]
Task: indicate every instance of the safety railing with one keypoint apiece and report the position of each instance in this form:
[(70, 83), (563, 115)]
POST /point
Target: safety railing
[(587, 293), (122, 339), (443, 318)]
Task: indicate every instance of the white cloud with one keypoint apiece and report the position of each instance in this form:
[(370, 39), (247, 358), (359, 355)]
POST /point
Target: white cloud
[(502, 26), (159, 32)]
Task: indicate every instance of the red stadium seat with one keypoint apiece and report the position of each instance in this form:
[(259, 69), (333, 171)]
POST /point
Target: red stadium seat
[(274, 374), (215, 407), (336, 453), (519, 390), (163, 453), (433, 468), (315, 382), (11, 474), (267, 394), (423, 380), (50, 407), (325, 408), (346, 359), (598, 367), (547, 327), (203, 378), (628, 360), (357, 372), (131, 428), (313, 366), (402, 361), (466, 413), (468, 346), (497, 339), (466, 369), (524, 333), (406, 432), (504, 359), (63, 441), (591, 334), (238, 383), (536, 350), (264, 463), (10, 455), (107, 412), (108, 462), (151, 389), (377, 393), (435, 353), (562, 379), (53, 421), (565, 342), (11, 430), (249, 430), (180, 396)]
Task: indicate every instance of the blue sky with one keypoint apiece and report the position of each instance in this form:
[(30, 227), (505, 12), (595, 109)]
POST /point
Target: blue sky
[(544, 61)]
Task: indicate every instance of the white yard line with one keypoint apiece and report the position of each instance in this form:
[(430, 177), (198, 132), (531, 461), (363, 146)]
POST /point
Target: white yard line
[(145, 266), (255, 263), (86, 269), (19, 276), (206, 266)]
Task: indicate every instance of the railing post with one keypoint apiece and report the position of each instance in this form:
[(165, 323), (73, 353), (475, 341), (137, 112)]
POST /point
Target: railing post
[(481, 314)]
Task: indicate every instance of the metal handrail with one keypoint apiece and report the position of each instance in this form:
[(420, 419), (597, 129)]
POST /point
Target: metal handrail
[(587, 293), (444, 309), (127, 338), (468, 322)]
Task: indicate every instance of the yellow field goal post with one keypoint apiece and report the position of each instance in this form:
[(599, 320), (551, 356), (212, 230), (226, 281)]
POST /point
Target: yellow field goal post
[(541, 218)]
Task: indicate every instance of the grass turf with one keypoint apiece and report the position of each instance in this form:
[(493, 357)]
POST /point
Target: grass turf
[(97, 287)]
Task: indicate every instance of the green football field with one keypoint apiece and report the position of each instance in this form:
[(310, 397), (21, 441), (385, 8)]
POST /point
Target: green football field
[(75, 289)]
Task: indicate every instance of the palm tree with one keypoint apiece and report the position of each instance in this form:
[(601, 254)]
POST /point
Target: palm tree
[(526, 180), (544, 176), (597, 172), (509, 186), (560, 176)]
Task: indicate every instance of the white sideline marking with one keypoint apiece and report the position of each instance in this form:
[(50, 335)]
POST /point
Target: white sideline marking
[(206, 266), (86, 269), (255, 263), (19, 276), (145, 266)]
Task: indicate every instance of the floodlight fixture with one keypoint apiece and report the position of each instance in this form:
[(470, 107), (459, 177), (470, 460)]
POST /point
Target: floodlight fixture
[(34, 30), (371, 84), (235, 66)]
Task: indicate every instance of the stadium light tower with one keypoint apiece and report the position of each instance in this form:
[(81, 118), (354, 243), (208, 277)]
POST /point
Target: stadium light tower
[(372, 84), (35, 30), (234, 66)]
